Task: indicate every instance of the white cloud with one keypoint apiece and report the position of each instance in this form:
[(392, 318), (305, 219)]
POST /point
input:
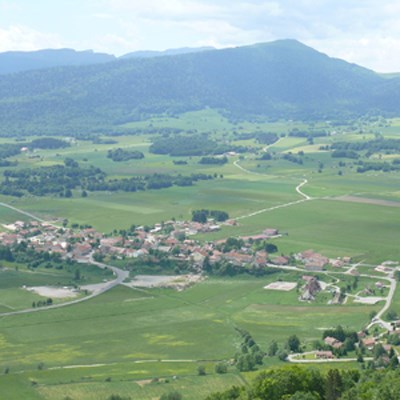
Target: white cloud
[(222, 33), (381, 54), (155, 9), (160, 24), (103, 16), (366, 32), (23, 38), (195, 9)]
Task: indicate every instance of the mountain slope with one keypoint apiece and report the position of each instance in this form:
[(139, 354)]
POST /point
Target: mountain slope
[(278, 79), (17, 61), (169, 52)]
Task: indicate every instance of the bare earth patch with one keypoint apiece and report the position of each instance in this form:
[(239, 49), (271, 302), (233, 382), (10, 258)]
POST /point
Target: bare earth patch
[(144, 382), (283, 286), (368, 300), (95, 287), (365, 200), (53, 292), (177, 282)]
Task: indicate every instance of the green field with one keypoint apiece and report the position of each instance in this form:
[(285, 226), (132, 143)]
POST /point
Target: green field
[(134, 342), (129, 335), (261, 185)]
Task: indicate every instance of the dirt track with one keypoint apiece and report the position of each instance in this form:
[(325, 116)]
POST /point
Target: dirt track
[(365, 200)]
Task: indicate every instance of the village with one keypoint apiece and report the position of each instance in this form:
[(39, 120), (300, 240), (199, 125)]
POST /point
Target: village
[(171, 238), (173, 241)]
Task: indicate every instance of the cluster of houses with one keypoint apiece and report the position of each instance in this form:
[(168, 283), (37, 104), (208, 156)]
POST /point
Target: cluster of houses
[(368, 342), (311, 288), (317, 262), (171, 239)]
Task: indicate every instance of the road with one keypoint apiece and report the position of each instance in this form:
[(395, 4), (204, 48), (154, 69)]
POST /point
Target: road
[(377, 320), (237, 165), (353, 267), (298, 190), (120, 274), (270, 209), (22, 212), (28, 214), (293, 359), (304, 196), (265, 149)]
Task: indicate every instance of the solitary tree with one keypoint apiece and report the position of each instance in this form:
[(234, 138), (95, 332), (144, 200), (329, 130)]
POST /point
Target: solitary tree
[(293, 343), (221, 368), (201, 370), (273, 348)]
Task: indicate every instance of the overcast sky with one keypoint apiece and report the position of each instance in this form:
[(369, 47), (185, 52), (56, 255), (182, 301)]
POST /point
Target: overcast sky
[(366, 32)]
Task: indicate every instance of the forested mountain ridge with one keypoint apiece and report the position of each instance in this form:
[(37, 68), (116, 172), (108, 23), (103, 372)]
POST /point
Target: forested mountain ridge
[(18, 61), (168, 52), (278, 79)]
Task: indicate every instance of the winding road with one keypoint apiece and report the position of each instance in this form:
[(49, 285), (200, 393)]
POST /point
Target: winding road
[(304, 196), (120, 274), (298, 190), (22, 212)]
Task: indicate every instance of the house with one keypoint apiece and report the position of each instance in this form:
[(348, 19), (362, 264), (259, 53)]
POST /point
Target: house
[(311, 288), (216, 256), (333, 342), (197, 258), (316, 263), (280, 260), (307, 254), (254, 237), (82, 250), (361, 335), (164, 249), (261, 259), (382, 268), (324, 355), (336, 262), (10, 239), (388, 348), (270, 232), (111, 241), (238, 258), (369, 343), (312, 260)]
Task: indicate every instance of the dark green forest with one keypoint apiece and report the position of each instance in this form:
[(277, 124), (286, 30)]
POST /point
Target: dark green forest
[(278, 79)]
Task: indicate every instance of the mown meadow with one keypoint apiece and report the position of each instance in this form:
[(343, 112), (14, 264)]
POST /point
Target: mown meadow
[(142, 343)]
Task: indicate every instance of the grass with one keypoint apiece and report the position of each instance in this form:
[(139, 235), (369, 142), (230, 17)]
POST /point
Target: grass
[(121, 340), (138, 390), (316, 225), (15, 277), (331, 227), (128, 332)]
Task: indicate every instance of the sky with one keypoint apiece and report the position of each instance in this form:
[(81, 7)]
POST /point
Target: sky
[(365, 32)]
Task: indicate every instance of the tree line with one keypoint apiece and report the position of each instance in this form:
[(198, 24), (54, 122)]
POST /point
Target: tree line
[(296, 383), (60, 180), (119, 155)]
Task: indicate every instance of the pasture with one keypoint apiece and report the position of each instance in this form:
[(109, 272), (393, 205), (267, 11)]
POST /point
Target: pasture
[(128, 335), (134, 342)]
